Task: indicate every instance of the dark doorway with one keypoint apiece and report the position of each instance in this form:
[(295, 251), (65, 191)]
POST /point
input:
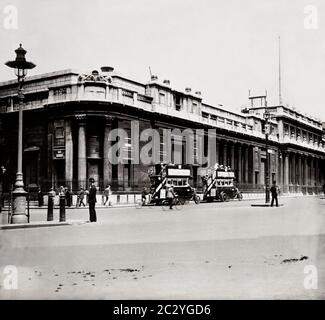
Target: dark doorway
[(31, 167)]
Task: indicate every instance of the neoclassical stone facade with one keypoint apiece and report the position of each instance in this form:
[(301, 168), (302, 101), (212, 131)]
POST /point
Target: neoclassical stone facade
[(69, 115)]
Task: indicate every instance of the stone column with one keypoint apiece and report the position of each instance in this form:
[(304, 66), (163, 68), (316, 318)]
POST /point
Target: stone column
[(135, 151), (246, 164), (107, 166), (50, 155), (316, 172), (217, 151), (253, 164), (232, 157), (168, 146), (211, 150), (286, 172), (294, 180), (312, 172), (82, 160), (120, 176), (259, 165), (68, 155), (225, 154), (306, 171), (321, 169), (280, 169), (299, 171), (239, 164)]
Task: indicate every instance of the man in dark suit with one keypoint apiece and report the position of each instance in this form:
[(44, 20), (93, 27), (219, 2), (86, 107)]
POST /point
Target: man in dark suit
[(274, 192), (92, 201)]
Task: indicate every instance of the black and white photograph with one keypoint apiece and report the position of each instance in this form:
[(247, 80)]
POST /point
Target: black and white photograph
[(162, 150)]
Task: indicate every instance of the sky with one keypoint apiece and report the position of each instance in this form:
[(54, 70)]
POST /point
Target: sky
[(221, 48)]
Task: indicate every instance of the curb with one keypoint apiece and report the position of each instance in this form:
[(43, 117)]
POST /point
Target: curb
[(74, 208), (40, 224), (266, 205)]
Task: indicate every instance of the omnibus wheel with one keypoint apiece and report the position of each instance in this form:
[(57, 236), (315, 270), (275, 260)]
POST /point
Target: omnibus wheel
[(138, 204), (224, 197), (197, 199)]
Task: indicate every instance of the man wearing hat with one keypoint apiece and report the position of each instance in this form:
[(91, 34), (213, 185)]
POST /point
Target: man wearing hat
[(92, 201)]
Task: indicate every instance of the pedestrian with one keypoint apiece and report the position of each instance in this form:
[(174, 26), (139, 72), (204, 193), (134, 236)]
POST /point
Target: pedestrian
[(107, 193), (92, 201), (68, 197), (274, 192), (81, 197), (52, 192), (170, 196), (144, 196), (61, 191), (40, 198)]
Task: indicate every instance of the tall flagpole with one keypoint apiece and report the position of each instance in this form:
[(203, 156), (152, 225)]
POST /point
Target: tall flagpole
[(280, 95)]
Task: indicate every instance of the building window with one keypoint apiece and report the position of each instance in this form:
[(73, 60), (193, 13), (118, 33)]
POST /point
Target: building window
[(59, 136), (304, 135), (205, 115), (298, 134), (178, 102), (162, 98), (194, 107)]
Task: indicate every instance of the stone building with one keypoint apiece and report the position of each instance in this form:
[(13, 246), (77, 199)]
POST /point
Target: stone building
[(68, 116)]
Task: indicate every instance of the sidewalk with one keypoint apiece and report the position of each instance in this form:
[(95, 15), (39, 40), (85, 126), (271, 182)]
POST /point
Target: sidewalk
[(77, 216), (246, 197), (38, 216), (41, 224)]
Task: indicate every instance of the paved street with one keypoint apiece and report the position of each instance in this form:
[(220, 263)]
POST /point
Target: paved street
[(207, 251)]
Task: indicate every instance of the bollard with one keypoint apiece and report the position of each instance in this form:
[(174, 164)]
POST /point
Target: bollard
[(50, 206), (62, 207)]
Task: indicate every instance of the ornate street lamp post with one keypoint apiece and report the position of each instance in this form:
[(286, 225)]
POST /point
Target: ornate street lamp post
[(267, 117), (21, 66)]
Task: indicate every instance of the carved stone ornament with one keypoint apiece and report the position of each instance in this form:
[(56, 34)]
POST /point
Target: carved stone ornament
[(95, 76)]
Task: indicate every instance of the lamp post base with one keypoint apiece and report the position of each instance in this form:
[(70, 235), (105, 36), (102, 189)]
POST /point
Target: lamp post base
[(267, 196), (19, 201)]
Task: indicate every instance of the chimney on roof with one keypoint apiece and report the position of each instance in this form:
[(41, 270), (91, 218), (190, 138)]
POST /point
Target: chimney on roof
[(166, 82), (188, 90), (154, 78), (106, 70), (198, 93)]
